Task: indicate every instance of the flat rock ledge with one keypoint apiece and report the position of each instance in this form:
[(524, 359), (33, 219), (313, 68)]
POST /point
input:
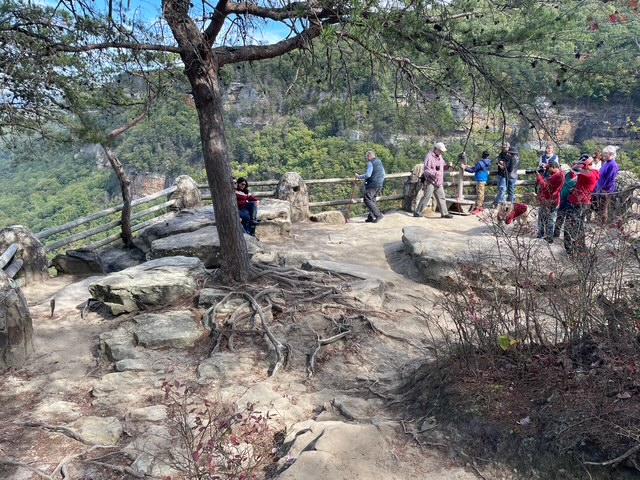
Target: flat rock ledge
[(152, 284), (188, 220), (203, 244), (177, 329)]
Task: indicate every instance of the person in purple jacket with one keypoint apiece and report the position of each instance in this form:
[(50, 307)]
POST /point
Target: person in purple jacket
[(606, 186)]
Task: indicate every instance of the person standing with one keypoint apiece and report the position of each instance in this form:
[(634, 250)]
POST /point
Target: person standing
[(597, 160), (570, 180), (501, 162), (481, 174), (513, 163), (549, 198), (434, 168), (606, 186), (373, 182), (546, 157), (578, 206)]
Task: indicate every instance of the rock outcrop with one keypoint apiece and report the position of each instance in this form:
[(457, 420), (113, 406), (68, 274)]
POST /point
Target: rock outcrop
[(31, 251), (293, 189), (187, 194), (78, 262), (16, 329)]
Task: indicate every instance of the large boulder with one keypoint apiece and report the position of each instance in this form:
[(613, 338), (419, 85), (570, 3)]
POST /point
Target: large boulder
[(153, 284), (78, 262), (274, 217), (31, 251), (16, 329), (187, 194), (293, 189), (203, 244), (184, 221)]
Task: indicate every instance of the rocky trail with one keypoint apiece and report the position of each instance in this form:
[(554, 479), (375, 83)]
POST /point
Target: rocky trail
[(92, 402)]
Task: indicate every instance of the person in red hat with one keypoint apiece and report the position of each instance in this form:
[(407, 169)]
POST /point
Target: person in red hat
[(578, 205)]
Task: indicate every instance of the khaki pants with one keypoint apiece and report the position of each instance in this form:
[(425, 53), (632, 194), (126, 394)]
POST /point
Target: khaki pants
[(429, 191), (480, 193)]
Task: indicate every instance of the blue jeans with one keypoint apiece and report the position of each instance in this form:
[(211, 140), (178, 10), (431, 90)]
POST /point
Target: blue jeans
[(511, 189), (547, 221), (248, 215), (502, 190)]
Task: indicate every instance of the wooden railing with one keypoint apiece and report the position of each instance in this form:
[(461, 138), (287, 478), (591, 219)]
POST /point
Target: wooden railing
[(456, 184), (8, 264)]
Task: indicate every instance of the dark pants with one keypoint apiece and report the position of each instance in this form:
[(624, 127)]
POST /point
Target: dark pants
[(562, 215), (547, 221), (370, 195), (574, 229), (248, 215)]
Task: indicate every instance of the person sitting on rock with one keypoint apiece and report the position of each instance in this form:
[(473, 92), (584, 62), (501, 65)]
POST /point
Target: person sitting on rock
[(481, 175), (247, 206)]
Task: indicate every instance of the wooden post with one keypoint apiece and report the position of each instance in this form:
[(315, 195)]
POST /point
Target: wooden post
[(460, 195)]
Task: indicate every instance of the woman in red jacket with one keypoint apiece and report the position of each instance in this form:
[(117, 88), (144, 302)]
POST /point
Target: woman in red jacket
[(247, 206), (579, 201)]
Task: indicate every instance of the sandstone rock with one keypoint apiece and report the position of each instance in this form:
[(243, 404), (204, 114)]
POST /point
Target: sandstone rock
[(31, 251), (210, 296), (16, 329), (269, 402), (188, 220), (274, 217), (176, 329), (59, 409), (78, 262), (333, 216), (117, 259), (131, 365), (203, 244), (118, 344), (156, 283), (358, 271), (187, 194), (293, 189), (115, 390), (154, 413), (369, 291), (99, 430), (145, 183), (224, 366)]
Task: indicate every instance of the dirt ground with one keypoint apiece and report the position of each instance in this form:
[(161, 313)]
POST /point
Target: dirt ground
[(459, 424)]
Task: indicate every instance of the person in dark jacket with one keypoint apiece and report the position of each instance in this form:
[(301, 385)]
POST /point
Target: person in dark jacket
[(501, 163), (247, 206), (373, 182), (513, 163), (570, 180), (481, 174), (578, 206)]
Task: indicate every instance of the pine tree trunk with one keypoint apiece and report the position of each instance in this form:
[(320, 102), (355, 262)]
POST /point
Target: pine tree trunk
[(125, 188), (202, 71)]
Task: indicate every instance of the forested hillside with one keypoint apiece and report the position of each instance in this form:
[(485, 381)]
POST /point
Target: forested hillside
[(316, 112)]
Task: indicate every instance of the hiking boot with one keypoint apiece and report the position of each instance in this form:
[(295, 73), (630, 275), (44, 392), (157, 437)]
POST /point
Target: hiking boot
[(378, 218), (477, 211), (416, 214), (448, 215), (369, 220)]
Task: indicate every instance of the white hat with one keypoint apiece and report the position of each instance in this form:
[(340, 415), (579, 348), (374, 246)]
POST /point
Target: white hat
[(440, 146)]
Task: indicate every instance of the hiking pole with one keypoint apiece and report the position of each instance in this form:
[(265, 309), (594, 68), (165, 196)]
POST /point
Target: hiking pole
[(353, 193)]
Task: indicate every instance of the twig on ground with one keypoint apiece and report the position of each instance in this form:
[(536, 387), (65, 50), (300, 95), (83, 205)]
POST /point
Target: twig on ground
[(322, 342), (633, 450)]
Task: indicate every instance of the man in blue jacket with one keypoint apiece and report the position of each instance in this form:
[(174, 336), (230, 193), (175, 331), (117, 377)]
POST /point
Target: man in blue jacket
[(373, 181), (481, 175)]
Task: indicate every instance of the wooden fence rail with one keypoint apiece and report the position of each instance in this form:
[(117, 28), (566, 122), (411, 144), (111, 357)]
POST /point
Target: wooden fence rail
[(454, 179)]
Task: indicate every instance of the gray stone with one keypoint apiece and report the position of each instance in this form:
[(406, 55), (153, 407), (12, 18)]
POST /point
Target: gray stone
[(187, 194), (333, 217), (117, 259), (31, 251), (188, 220), (131, 365), (156, 283), (203, 244), (267, 401), (78, 262), (99, 430), (275, 219), (293, 189), (210, 296), (369, 291), (358, 271), (115, 390), (177, 329), (16, 328), (358, 409), (224, 366), (154, 413), (118, 344), (60, 408)]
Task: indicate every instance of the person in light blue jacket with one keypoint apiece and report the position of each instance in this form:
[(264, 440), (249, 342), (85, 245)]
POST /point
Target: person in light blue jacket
[(481, 174)]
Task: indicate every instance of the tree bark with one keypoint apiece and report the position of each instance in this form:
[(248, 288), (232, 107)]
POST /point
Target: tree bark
[(201, 68), (125, 188)]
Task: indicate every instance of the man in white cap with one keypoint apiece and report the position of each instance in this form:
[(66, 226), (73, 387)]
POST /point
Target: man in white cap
[(434, 168)]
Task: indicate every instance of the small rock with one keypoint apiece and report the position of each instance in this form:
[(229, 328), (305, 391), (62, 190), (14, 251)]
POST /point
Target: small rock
[(99, 430)]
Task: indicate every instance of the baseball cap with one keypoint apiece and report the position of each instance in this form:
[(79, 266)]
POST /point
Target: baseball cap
[(585, 158), (440, 146)]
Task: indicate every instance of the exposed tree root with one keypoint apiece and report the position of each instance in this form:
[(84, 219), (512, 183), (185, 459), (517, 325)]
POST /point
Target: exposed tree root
[(64, 430), (322, 342), (632, 451), (15, 463)]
